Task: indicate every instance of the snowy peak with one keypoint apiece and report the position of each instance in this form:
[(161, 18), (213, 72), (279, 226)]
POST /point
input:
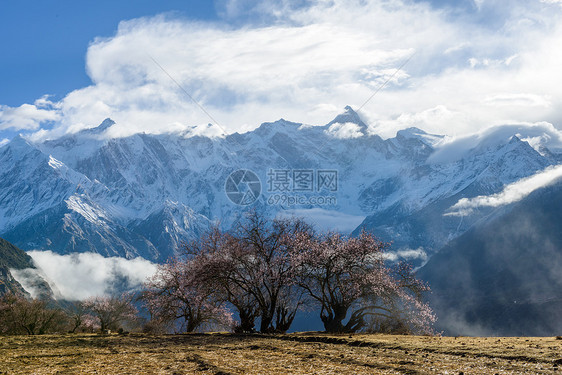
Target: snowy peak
[(514, 140), (413, 144), (349, 116), (416, 134), (412, 132), (347, 125), (101, 128), (17, 149), (208, 131), (281, 125)]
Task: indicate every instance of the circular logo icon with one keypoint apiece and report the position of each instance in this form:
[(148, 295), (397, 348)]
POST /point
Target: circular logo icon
[(242, 187)]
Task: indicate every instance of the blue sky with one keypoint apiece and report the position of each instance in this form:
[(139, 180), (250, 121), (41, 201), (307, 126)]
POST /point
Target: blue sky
[(67, 65), (45, 42)]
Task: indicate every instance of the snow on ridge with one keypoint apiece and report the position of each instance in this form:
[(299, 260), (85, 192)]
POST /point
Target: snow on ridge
[(124, 181), (208, 131), (540, 134), (432, 140), (92, 214), (56, 164)]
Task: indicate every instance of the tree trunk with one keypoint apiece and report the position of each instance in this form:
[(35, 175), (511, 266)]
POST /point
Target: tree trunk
[(190, 324), (333, 321), (284, 319), (265, 325), (246, 322)]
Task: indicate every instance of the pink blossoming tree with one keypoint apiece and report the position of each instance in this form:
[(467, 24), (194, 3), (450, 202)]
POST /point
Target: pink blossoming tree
[(111, 311), (251, 269), (176, 294), (267, 270), (348, 278)]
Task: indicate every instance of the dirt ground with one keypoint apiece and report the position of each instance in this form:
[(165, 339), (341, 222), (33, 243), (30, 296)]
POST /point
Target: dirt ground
[(301, 353)]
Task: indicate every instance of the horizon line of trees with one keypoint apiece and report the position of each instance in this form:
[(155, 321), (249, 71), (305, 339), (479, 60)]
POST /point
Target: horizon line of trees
[(253, 279)]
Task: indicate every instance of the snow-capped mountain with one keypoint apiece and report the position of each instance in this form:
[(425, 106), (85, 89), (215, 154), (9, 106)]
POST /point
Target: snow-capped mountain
[(145, 194), (417, 217)]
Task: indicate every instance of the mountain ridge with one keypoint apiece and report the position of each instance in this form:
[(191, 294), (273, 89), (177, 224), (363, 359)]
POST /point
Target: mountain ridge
[(144, 194)]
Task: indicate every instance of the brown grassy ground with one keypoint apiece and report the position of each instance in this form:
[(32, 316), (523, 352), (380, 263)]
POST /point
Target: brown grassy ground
[(303, 353)]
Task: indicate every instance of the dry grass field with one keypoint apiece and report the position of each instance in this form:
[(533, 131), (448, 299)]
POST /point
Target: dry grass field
[(302, 353)]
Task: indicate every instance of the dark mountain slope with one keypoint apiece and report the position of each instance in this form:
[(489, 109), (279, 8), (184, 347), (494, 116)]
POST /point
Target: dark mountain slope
[(12, 257), (503, 277)]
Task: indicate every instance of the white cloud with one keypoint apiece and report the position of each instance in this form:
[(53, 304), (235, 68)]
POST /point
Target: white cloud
[(525, 100), (486, 62), (437, 117), (407, 255), (82, 275), (538, 135), (296, 60), (28, 116), (511, 193), (344, 131)]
